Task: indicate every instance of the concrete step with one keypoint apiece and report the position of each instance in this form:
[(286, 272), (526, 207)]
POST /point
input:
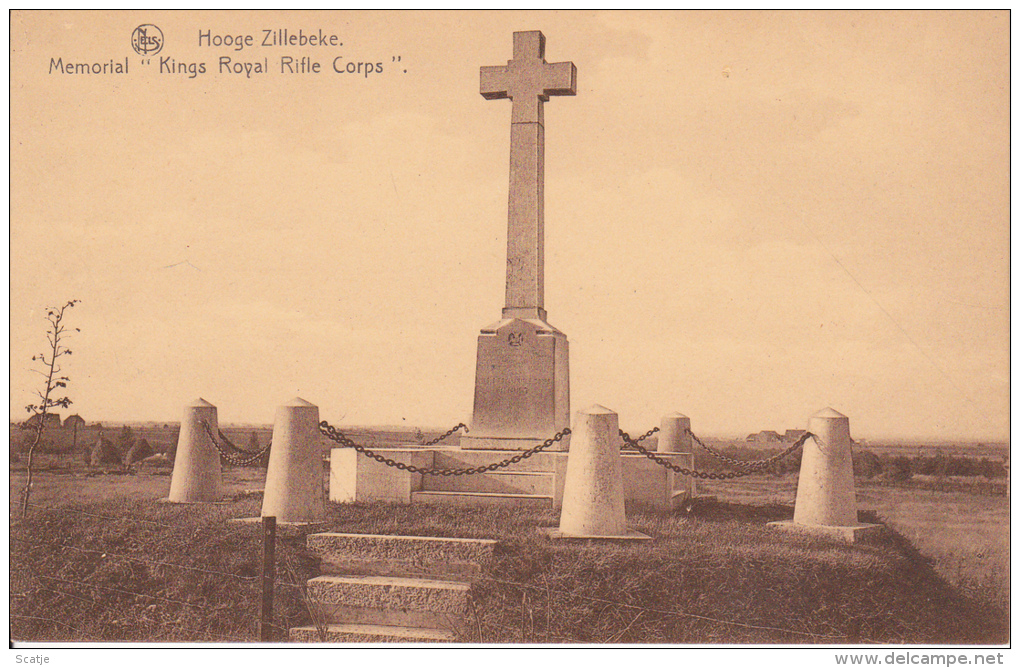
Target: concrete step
[(476, 498), (384, 592), (497, 482), (370, 633), (401, 556), (448, 458), (334, 613)]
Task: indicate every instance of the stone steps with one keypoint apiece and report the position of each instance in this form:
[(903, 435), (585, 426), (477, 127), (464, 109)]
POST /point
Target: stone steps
[(388, 592), (377, 588), (529, 482), (337, 633), (458, 559), (482, 498)]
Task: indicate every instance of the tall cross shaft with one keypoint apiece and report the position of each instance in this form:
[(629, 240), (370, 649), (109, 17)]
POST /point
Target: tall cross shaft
[(528, 81)]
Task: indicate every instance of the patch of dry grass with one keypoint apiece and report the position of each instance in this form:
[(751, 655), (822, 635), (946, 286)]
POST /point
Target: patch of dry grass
[(964, 536), (144, 571), (129, 569)]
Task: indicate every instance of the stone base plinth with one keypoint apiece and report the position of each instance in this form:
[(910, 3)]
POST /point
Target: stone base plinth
[(496, 443), (851, 534), (218, 502), (354, 477), (554, 533)]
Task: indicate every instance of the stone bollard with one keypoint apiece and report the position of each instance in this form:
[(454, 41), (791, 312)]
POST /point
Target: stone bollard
[(674, 433), (593, 491), (826, 495), (294, 481), (197, 477), (675, 438)]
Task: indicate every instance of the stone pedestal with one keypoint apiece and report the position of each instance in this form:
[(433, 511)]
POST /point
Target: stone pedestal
[(826, 495), (522, 386), (294, 480), (197, 477)]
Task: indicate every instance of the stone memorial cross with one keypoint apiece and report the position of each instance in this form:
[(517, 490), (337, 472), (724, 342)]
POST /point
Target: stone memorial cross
[(528, 81), (522, 378)]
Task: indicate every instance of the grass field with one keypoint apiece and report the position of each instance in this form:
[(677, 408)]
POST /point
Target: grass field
[(99, 558), (965, 536)]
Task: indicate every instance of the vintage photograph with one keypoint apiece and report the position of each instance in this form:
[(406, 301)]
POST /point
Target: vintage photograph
[(444, 329)]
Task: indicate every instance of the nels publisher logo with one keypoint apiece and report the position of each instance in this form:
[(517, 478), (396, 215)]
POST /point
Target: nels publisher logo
[(147, 40)]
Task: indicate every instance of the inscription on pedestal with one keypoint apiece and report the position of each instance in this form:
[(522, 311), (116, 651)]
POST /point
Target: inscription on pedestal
[(520, 384)]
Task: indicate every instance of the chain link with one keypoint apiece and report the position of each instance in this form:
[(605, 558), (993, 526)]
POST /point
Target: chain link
[(446, 435), (639, 438), (753, 467), (756, 465), (334, 434), (229, 456)]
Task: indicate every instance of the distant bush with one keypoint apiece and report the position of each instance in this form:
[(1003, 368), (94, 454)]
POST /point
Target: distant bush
[(990, 469), (867, 464), (900, 468)]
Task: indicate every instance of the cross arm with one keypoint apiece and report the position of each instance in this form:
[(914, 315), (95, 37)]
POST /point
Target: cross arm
[(560, 79), (495, 84)]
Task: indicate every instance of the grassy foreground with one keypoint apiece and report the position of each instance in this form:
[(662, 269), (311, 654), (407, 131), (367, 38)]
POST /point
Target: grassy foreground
[(965, 536), (141, 571)]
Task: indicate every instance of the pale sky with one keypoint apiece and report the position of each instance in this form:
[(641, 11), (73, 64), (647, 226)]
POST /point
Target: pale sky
[(749, 216)]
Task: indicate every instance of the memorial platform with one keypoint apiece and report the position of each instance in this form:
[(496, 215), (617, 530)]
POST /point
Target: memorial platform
[(535, 481)]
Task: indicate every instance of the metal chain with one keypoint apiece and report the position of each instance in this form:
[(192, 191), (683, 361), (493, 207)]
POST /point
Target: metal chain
[(756, 465), (710, 475), (333, 434), (234, 448), (641, 437), (446, 435), (230, 457)]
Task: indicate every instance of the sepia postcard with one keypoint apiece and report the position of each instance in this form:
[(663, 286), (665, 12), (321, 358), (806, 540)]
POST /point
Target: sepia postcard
[(511, 329)]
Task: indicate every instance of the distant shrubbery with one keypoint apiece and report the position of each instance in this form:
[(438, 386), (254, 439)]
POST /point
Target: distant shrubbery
[(867, 464), (901, 467), (125, 445)]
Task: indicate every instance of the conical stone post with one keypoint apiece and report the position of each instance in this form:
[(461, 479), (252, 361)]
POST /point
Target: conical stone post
[(674, 433), (675, 439), (197, 477), (826, 494), (294, 481), (593, 497)]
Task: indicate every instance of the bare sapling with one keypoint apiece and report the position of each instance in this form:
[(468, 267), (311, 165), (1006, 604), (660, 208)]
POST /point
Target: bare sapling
[(55, 385)]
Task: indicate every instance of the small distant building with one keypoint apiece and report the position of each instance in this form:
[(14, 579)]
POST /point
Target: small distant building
[(52, 420), (74, 422), (767, 436)]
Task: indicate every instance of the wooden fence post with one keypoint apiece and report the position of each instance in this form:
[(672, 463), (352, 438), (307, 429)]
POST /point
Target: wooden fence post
[(268, 577)]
